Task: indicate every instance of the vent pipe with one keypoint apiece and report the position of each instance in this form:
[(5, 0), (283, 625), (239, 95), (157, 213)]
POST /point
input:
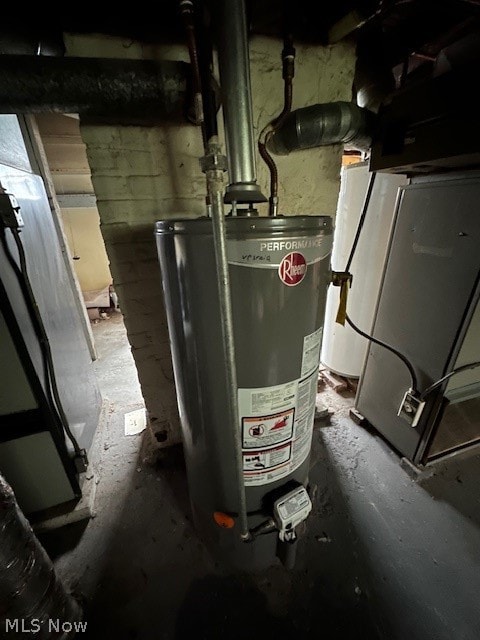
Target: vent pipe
[(234, 66), (323, 124)]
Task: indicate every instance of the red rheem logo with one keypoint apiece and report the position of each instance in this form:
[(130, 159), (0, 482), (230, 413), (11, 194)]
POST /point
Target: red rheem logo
[(292, 269)]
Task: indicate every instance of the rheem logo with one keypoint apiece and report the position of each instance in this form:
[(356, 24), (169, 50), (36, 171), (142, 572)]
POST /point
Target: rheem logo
[(292, 269)]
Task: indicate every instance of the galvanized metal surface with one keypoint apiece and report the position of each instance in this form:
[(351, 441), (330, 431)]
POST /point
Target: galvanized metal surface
[(215, 193), (75, 377), (234, 66), (270, 323), (324, 124), (425, 302), (343, 350)]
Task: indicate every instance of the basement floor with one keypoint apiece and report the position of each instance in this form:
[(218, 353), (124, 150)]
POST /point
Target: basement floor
[(385, 556)]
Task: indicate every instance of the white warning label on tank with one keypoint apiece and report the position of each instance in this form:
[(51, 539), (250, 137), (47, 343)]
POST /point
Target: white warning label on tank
[(264, 431), (269, 254), (311, 352), (255, 461), (277, 425)]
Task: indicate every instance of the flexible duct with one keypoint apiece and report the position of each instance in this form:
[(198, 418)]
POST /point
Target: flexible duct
[(105, 89), (30, 592), (323, 124)]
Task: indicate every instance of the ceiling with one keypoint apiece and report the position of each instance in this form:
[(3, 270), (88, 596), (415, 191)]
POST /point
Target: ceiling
[(401, 25), (389, 31)]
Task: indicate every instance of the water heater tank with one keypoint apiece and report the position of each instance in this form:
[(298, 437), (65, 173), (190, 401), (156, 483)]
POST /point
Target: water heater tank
[(279, 271), (343, 350)]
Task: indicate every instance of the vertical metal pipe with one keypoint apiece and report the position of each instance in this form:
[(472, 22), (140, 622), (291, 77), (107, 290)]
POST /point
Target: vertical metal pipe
[(234, 66), (215, 190), (30, 591), (214, 167)]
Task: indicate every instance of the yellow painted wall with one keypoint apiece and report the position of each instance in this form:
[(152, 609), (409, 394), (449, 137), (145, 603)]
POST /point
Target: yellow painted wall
[(82, 228)]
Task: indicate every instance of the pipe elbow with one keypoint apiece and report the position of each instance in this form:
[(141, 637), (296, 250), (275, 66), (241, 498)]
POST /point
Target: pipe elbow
[(321, 125)]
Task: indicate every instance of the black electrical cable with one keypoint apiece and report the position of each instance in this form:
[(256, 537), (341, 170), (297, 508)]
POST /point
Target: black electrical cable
[(403, 358), (21, 273), (438, 383), (361, 222), (18, 275)]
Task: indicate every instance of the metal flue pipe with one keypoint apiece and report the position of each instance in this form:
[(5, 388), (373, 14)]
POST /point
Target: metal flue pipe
[(234, 66), (323, 124), (30, 592)]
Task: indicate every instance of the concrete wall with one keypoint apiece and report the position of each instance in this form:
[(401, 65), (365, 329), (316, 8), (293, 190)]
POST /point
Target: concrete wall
[(143, 174)]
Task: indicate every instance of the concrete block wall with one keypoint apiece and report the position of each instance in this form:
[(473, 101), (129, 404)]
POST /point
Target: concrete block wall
[(144, 174), (138, 179)]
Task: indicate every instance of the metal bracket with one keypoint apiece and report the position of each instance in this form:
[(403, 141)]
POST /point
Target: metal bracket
[(213, 160), (342, 279), (339, 278)]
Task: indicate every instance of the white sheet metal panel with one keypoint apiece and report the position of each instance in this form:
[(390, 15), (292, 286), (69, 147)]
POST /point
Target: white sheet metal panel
[(343, 350)]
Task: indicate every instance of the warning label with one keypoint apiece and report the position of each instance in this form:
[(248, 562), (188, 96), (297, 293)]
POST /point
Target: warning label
[(267, 459), (311, 352), (277, 425), (269, 399), (264, 431)]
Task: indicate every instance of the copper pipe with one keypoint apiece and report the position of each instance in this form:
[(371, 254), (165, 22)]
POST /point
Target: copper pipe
[(187, 11), (288, 58)]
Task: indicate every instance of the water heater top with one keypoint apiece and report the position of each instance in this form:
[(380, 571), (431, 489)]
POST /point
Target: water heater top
[(240, 225)]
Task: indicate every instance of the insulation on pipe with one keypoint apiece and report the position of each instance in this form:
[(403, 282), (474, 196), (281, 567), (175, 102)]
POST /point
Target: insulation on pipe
[(32, 598), (107, 90)]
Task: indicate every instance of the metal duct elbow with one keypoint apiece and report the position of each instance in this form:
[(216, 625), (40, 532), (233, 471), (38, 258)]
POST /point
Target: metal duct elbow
[(323, 124)]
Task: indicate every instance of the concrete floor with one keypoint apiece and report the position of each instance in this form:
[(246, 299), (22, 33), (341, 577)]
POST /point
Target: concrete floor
[(384, 557)]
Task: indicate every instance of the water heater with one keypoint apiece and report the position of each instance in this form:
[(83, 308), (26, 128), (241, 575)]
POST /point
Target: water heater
[(279, 273)]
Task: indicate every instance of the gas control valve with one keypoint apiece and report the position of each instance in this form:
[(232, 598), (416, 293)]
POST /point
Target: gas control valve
[(289, 511)]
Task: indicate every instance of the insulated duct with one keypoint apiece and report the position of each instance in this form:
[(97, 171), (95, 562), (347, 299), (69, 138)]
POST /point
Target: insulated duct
[(30, 592), (323, 124), (107, 90)]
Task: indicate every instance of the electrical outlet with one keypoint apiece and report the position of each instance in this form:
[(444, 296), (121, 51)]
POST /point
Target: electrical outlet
[(411, 408)]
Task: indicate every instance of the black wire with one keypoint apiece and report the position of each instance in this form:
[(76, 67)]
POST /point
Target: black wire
[(50, 380), (46, 343), (403, 358), (19, 276), (361, 222), (438, 383)]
